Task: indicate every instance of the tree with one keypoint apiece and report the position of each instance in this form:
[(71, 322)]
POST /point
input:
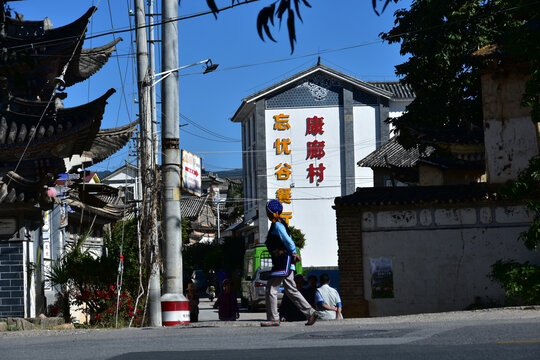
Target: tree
[(298, 237), (278, 9), (440, 38)]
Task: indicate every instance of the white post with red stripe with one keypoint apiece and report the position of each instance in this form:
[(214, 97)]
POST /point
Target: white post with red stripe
[(174, 309)]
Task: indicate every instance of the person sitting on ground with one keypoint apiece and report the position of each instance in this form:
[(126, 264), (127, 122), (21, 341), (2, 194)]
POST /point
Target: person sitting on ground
[(328, 300), (193, 298), (309, 291), (226, 303), (287, 310)]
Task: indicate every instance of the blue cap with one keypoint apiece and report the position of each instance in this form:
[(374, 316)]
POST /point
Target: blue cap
[(274, 206)]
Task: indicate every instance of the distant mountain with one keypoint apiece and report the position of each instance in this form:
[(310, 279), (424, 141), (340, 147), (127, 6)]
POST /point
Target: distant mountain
[(232, 174), (102, 174)]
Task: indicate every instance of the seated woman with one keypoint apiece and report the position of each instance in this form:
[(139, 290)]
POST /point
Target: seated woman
[(226, 303)]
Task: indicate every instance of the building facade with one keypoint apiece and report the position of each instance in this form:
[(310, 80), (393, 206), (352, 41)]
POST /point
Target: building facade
[(301, 140), (40, 138)]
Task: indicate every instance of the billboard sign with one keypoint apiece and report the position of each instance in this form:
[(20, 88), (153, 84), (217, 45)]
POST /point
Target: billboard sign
[(191, 173)]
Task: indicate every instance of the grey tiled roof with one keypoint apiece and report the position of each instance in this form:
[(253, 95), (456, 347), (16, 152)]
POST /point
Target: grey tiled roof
[(393, 154), (190, 206), (400, 91), (392, 196)]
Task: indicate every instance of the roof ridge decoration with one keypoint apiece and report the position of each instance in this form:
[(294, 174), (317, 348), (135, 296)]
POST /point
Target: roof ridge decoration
[(318, 86)]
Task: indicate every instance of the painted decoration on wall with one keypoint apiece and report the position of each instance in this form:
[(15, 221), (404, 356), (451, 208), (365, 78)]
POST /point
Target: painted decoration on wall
[(382, 278), (191, 173)]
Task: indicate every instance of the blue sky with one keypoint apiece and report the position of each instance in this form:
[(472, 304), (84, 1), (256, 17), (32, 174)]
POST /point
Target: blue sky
[(247, 64)]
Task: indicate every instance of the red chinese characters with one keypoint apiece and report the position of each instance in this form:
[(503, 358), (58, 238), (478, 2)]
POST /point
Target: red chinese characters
[(315, 149), (316, 172), (314, 125)]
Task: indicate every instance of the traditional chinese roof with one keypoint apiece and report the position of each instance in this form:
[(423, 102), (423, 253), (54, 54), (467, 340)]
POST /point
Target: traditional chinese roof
[(94, 200), (392, 153), (387, 90), (106, 143), (400, 91), (17, 189), (191, 206), (34, 54), (425, 195), (402, 164), (88, 62), (61, 133)]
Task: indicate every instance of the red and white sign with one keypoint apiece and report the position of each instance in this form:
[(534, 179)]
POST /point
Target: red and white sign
[(191, 173)]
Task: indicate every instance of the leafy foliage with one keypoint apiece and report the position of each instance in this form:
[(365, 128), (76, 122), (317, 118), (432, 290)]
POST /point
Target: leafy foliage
[(130, 252), (228, 255), (520, 281), (439, 38), (84, 277), (298, 237), (279, 9), (527, 188), (235, 203), (186, 230)]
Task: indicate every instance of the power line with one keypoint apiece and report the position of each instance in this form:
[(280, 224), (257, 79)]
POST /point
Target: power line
[(128, 29)]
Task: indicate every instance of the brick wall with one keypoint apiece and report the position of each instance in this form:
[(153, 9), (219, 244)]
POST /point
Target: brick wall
[(11, 279), (351, 282)]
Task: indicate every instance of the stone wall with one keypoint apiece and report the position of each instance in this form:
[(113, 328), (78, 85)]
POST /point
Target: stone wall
[(351, 284), (11, 279), (441, 255)]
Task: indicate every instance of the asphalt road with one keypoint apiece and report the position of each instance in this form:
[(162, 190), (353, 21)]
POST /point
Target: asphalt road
[(505, 334)]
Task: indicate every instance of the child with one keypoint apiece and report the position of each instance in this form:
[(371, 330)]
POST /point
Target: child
[(193, 302), (226, 303)]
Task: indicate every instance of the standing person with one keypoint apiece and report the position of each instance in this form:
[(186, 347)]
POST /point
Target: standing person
[(283, 252), (226, 303), (193, 298), (328, 300)]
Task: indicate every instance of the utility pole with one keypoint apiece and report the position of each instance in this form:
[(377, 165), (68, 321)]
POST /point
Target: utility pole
[(154, 286), (148, 165), (152, 63), (170, 158)]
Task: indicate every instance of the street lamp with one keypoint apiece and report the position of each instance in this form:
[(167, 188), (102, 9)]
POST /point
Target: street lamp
[(209, 67)]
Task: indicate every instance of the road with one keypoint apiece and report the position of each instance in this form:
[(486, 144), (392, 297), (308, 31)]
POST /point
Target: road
[(495, 334)]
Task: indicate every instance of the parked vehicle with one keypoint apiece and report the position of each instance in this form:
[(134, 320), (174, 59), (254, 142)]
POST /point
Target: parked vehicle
[(255, 295), (257, 260), (198, 278)]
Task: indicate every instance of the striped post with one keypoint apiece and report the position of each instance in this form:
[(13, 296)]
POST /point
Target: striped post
[(174, 309)]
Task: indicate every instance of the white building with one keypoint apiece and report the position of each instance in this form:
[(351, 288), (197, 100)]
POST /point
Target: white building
[(301, 140)]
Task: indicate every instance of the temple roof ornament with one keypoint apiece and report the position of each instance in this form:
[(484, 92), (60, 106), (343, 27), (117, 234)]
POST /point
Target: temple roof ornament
[(106, 143)]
